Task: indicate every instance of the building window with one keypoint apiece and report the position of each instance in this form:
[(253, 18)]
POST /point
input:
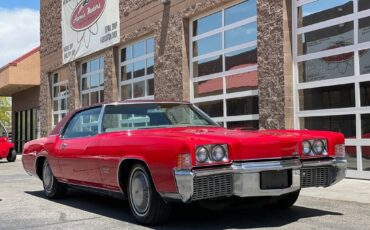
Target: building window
[(223, 67), (331, 41), (60, 95), (137, 70), (92, 82)]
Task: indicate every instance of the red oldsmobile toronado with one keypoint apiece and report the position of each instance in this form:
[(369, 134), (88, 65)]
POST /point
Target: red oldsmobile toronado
[(156, 152)]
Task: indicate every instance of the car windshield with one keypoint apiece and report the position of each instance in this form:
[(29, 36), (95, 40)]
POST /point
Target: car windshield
[(3, 132), (153, 115)]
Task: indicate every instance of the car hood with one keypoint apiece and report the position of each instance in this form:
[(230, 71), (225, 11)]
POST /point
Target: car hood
[(243, 145)]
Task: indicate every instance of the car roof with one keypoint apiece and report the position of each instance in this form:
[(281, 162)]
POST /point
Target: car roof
[(64, 121)]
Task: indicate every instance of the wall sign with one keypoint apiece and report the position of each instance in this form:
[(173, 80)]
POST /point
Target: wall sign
[(88, 26)]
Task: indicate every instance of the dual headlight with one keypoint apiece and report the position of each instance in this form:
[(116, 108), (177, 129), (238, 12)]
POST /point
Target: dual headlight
[(211, 154), (315, 147)]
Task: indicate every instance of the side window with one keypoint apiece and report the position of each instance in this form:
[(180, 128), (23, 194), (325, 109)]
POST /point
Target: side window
[(2, 131), (83, 124)]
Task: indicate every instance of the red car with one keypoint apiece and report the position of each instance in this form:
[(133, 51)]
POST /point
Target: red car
[(6, 148), (157, 152)]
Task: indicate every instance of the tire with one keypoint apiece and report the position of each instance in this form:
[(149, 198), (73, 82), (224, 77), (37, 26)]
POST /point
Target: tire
[(146, 204), (52, 188), (12, 156), (286, 201)]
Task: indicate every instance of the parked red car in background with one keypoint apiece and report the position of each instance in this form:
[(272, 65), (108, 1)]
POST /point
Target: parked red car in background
[(155, 152), (6, 147)]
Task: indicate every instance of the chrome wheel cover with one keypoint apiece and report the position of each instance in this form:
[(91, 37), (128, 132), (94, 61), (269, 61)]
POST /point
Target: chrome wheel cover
[(140, 192), (47, 178)]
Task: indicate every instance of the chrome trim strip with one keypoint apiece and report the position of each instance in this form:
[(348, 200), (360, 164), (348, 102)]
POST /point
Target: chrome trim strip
[(325, 162), (170, 196), (89, 187)]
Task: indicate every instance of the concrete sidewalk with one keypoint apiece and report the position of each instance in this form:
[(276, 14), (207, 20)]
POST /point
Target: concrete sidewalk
[(347, 190)]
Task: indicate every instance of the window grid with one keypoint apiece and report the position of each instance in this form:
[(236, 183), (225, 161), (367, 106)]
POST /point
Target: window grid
[(223, 74), (142, 79), (87, 76), (60, 99), (358, 142)]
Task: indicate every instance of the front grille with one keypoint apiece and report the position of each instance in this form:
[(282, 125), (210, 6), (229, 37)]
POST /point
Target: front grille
[(206, 187), (315, 177)]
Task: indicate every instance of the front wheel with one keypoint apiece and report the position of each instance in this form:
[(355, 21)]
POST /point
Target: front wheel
[(12, 156), (52, 188), (145, 203)]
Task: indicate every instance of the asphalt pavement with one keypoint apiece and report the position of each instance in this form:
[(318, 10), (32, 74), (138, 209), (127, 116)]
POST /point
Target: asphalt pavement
[(24, 206)]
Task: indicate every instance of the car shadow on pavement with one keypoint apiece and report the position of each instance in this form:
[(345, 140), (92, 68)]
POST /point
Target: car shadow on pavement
[(190, 216)]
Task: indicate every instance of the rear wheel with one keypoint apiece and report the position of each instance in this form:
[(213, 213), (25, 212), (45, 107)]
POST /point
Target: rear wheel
[(146, 204), (52, 188), (286, 201), (12, 156)]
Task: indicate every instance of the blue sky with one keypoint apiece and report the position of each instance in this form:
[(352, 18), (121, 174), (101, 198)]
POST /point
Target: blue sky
[(12, 4), (19, 28)]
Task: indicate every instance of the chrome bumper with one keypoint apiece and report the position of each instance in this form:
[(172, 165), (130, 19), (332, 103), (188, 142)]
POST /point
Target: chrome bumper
[(244, 179)]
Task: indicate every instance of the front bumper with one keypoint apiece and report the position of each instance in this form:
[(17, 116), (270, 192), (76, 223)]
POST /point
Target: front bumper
[(243, 179)]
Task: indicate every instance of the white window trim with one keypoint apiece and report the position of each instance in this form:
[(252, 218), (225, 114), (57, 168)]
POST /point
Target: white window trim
[(358, 110), (88, 75), (58, 99), (132, 81), (224, 96)]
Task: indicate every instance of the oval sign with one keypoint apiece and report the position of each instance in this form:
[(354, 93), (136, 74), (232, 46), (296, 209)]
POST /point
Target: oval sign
[(86, 13)]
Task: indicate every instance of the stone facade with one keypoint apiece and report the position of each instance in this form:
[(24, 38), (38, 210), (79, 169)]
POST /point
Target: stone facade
[(169, 25), (270, 49)]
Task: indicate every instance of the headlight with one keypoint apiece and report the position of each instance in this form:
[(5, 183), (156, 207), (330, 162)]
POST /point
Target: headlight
[(218, 153), (202, 155), (314, 147), (215, 153), (306, 147), (318, 147)]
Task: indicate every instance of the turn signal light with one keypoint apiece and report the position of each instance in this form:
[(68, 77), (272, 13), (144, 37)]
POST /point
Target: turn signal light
[(340, 150), (184, 161)]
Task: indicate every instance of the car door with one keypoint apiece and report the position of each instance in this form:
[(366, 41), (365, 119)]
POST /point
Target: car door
[(75, 148)]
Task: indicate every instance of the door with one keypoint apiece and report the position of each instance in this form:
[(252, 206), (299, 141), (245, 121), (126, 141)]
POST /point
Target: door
[(75, 149)]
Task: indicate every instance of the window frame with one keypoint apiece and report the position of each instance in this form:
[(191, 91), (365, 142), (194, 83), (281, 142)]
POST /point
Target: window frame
[(59, 99), (102, 108), (222, 75), (355, 79), (133, 80), (88, 75)]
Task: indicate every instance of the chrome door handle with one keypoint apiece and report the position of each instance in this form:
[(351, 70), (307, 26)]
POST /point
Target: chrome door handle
[(64, 145)]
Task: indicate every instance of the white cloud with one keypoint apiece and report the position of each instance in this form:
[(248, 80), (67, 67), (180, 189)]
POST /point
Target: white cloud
[(19, 33)]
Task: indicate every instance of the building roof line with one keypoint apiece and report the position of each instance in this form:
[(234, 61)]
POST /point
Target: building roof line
[(21, 58)]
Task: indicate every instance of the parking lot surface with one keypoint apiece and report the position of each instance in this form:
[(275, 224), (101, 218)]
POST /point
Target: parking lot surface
[(24, 206)]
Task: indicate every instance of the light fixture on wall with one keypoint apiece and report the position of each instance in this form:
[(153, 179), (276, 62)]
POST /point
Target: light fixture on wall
[(165, 1)]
